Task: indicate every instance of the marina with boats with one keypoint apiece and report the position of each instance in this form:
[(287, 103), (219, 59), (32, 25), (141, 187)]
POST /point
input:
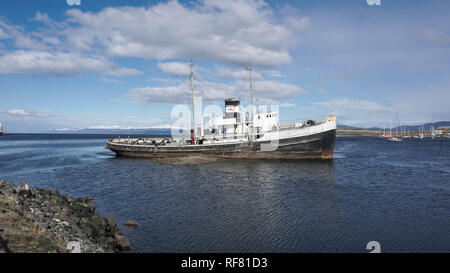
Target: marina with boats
[(401, 132)]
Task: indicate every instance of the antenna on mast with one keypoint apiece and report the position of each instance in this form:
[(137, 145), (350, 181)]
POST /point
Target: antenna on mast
[(251, 82), (251, 100)]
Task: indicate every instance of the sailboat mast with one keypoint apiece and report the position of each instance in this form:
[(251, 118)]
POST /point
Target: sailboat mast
[(390, 128), (191, 86)]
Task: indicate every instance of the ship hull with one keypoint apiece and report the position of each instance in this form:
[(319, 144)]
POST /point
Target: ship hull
[(314, 146)]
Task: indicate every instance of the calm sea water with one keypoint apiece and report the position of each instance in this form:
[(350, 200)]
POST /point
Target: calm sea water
[(395, 193)]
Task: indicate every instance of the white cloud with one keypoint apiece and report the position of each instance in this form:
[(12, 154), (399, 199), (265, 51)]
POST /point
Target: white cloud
[(175, 68), (287, 104), (270, 92), (228, 31), (180, 93), (273, 73), (437, 37), (231, 32), (274, 89), (3, 34), (108, 80), (342, 74), (42, 17), (104, 127), (20, 38), (21, 113), (165, 81), (18, 112), (30, 62), (344, 104), (241, 74), (41, 53), (299, 24), (118, 127), (51, 40), (170, 94)]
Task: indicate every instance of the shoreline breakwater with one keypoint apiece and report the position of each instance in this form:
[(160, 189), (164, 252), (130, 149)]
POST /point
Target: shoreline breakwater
[(34, 220)]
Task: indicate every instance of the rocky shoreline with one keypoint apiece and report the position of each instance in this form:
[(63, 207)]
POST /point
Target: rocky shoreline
[(34, 220)]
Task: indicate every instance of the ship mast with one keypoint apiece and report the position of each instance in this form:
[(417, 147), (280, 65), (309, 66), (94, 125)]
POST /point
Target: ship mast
[(191, 86), (251, 83), (251, 99)]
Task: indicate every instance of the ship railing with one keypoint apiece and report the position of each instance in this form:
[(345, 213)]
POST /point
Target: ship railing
[(137, 141), (221, 137), (301, 122)]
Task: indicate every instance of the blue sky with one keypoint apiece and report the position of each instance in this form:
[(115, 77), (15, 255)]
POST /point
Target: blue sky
[(123, 63)]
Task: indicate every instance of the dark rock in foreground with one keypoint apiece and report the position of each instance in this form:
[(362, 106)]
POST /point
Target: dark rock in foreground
[(38, 220)]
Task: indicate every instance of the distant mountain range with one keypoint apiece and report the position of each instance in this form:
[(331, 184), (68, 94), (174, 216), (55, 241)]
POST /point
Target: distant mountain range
[(426, 126), (166, 130), (109, 131)]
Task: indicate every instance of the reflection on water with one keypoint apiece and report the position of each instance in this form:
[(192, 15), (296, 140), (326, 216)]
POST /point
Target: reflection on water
[(373, 190)]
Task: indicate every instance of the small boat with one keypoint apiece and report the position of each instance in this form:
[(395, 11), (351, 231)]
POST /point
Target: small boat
[(433, 132), (405, 133), (384, 134), (2, 133), (422, 134), (395, 139), (391, 137)]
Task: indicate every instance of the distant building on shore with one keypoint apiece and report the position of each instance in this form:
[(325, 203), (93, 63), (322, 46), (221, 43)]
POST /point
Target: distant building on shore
[(445, 129)]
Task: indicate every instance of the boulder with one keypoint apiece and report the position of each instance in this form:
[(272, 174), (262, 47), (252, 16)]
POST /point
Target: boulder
[(111, 221), (81, 210), (74, 247), (24, 190), (91, 206), (122, 242), (130, 223), (84, 199)]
